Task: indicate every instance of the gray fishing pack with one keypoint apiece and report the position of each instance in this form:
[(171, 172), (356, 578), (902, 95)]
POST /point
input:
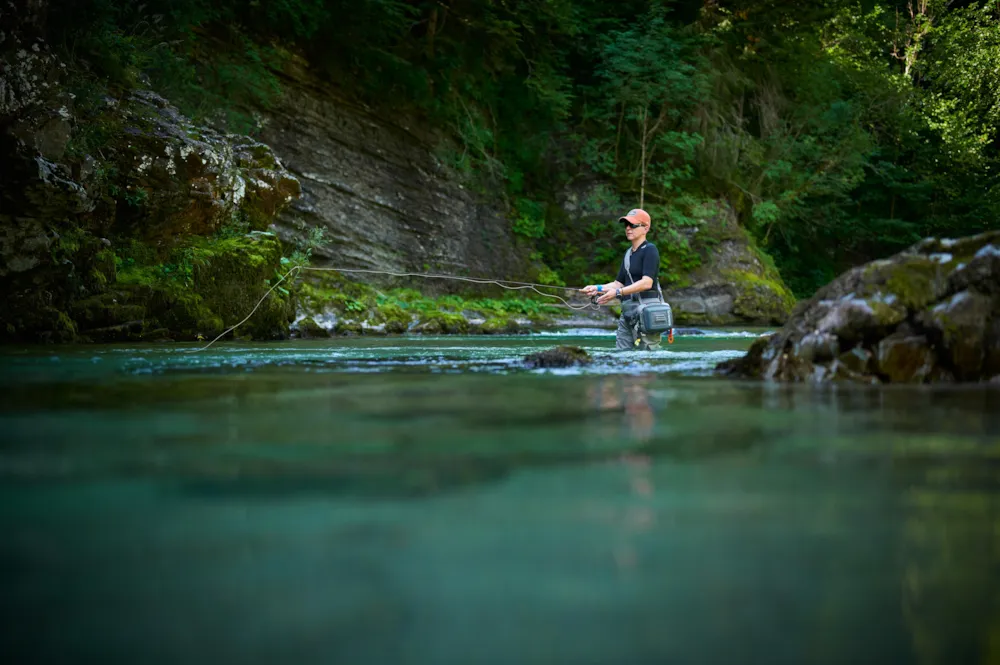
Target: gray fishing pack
[(653, 317)]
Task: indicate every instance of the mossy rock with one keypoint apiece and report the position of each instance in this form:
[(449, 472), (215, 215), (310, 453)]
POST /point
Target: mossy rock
[(896, 320), (442, 323), (759, 298), (959, 326), (348, 328), (500, 326), (915, 281), (309, 329), (209, 285), (396, 326), (233, 274), (107, 309), (57, 326), (903, 358), (39, 323), (858, 360), (394, 318)]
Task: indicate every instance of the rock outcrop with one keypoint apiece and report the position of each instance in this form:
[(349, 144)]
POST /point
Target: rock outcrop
[(735, 282), (121, 219), (928, 314), (377, 193)]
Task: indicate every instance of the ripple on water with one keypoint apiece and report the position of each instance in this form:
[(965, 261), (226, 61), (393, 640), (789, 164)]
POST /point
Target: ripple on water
[(477, 357)]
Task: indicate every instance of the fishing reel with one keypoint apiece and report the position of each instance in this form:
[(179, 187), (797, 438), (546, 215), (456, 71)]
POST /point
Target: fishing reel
[(593, 300)]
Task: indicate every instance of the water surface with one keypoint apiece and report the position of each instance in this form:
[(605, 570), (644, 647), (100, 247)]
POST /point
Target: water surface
[(428, 500)]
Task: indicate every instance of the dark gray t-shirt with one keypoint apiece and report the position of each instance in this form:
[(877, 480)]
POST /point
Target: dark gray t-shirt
[(645, 262)]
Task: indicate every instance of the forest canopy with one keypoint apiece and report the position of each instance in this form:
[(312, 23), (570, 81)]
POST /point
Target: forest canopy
[(838, 130)]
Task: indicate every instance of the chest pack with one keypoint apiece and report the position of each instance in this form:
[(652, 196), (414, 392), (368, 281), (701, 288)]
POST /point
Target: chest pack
[(653, 317)]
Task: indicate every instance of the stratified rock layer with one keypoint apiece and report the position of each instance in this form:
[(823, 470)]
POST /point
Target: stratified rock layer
[(376, 192)]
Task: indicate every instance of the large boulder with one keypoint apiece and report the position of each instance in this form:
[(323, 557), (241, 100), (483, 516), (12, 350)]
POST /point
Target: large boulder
[(928, 314)]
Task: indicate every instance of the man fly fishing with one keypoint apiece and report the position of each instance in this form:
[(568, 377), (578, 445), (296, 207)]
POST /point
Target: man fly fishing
[(644, 314)]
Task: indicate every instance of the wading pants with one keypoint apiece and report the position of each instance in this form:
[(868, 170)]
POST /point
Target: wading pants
[(628, 333)]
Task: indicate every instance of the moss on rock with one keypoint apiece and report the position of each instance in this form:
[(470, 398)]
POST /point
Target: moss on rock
[(348, 328), (136, 223), (437, 323), (395, 319), (735, 281), (915, 282), (308, 329), (760, 297), (211, 284), (232, 274), (498, 325)]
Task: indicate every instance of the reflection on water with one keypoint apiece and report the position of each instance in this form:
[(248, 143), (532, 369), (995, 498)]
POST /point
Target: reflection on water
[(426, 501)]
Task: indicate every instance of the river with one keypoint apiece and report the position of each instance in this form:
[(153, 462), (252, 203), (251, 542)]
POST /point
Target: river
[(426, 500)]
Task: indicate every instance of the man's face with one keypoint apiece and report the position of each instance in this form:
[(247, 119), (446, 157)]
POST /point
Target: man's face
[(631, 233)]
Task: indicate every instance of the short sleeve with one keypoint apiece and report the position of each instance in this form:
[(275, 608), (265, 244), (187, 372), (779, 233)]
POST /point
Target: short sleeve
[(622, 278), (651, 262)]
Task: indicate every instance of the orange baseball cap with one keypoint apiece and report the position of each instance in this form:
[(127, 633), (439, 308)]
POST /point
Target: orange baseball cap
[(636, 216)]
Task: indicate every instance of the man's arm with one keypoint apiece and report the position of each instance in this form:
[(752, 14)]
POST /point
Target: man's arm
[(619, 289), (610, 287), (644, 284)]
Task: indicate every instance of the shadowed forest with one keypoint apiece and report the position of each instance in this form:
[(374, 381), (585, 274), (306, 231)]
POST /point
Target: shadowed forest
[(839, 130)]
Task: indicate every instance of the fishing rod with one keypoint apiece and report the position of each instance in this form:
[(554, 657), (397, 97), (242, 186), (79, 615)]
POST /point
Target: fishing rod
[(505, 284)]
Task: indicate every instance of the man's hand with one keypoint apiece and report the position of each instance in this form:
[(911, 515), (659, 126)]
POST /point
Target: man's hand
[(605, 298), (589, 290)]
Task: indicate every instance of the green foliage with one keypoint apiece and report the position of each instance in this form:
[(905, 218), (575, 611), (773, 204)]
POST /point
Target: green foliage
[(200, 54), (839, 130), (530, 219), (649, 77), (399, 307)]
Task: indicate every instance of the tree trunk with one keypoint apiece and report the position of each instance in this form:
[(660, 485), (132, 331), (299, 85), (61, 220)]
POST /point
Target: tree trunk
[(431, 32), (618, 136), (642, 160)]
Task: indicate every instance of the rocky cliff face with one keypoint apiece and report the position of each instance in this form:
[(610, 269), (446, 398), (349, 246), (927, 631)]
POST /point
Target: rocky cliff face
[(372, 184), (929, 314), (119, 218)]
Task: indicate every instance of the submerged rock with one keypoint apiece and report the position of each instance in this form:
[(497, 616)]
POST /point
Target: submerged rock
[(560, 356), (928, 314)]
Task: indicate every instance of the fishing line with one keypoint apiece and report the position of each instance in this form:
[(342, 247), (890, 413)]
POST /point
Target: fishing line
[(505, 284)]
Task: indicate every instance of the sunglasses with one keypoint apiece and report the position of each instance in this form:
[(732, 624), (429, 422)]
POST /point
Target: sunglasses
[(631, 225)]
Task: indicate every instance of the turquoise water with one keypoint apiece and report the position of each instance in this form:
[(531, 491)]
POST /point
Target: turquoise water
[(428, 500)]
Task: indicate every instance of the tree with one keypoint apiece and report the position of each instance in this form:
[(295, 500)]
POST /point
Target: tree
[(650, 79)]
